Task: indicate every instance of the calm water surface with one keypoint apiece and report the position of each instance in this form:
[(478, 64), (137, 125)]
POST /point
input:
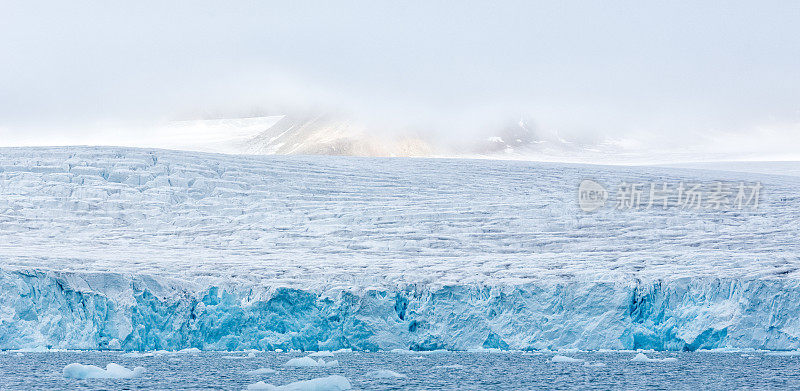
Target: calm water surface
[(428, 371)]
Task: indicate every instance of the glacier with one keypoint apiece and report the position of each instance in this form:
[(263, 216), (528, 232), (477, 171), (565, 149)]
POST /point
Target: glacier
[(142, 249)]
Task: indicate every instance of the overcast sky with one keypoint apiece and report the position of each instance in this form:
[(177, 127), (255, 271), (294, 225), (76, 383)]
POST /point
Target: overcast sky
[(654, 71)]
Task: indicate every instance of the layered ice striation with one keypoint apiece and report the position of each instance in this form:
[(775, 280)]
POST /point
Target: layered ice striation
[(118, 248)]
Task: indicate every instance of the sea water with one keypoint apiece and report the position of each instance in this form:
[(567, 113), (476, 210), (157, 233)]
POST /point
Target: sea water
[(415, 370)]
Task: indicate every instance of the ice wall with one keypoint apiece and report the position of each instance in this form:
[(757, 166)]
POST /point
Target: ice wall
[(41, 309)]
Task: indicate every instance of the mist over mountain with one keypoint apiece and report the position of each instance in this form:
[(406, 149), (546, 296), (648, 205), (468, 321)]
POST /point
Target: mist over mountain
[(327, 134)]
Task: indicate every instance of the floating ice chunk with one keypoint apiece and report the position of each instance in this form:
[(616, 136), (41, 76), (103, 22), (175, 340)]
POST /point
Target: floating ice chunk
[(322, 353), (451, 366), (112, 371), (261, 386), (237, 357), (559, 358), (641, 357), (330, 383), (785, 353), (386, 374), (189, 351), (114, 344), (594, 364), (301, 362), (310, 362), (137, 354), (261, 371)]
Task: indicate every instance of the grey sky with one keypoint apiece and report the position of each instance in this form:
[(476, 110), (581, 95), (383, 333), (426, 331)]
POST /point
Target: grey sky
[(659, 70)]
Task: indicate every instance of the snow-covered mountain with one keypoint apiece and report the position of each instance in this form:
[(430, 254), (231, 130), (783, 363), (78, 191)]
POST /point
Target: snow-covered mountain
[(330, 135), (326, 134), (128, 248), (312, 133)]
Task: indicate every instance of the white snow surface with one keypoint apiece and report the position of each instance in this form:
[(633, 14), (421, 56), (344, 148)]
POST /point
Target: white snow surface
[(124, 248), (319, 222)]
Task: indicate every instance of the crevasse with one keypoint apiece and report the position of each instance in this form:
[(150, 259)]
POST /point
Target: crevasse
[(44, 309)]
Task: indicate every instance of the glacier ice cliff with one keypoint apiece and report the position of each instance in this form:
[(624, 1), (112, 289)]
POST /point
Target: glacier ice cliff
[(41, 309), (141, 249)]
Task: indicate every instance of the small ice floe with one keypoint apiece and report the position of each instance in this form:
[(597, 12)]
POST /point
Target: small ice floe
[(310, 362), (593, 364), (232, 357), (261, 371), (785, 353), (641, 357), (137, 354), (321, 353), (187, 351), (565, 359), (330, 383), (450, 366), (112, 371), (386, 374)]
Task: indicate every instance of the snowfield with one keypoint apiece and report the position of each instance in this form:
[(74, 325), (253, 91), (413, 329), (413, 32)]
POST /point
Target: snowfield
[(138, 249)]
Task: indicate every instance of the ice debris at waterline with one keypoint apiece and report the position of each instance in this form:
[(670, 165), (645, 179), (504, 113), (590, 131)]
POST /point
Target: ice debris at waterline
[(140, 249), (330, 383), (112, 371), (299, 362), (641, 357), (566, 359), (261, 371), (386, 374)]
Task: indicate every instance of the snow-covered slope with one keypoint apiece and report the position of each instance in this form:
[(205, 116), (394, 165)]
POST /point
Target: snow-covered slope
[(154, 249)]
